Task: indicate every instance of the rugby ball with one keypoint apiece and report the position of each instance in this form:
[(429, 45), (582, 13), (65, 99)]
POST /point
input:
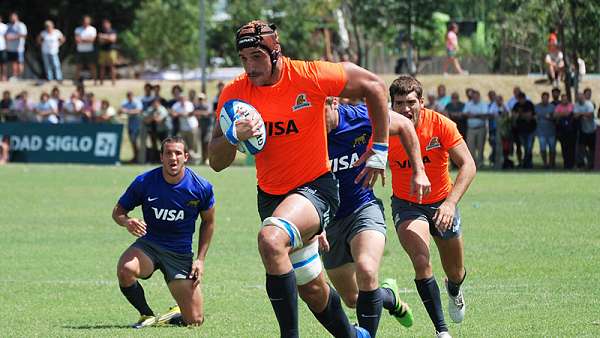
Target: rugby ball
[(235, 109)]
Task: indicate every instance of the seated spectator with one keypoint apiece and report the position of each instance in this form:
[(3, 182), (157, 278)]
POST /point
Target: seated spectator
[(55, 97), (566, 130), (183, 110), (206, 122), (555, 65), (477, 115), (546, 130), (23, 107), (73, 110), (6, 108), (4, 149), (91, 106), (454, 111), (431, 101), (525, 126), (158, 123), (583, 111), (132, 107), (46, 110), (106, 113)]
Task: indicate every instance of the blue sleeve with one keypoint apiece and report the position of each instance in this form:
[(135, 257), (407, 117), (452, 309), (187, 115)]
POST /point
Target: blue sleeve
[(208, 197), (133, 196)]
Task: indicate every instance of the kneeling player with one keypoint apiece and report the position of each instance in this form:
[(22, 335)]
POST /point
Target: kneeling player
[(171, 197), (357, 234), (437, 214)]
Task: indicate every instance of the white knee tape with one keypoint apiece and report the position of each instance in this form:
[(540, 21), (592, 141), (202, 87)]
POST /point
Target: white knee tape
[(288, 227), (306, 263)]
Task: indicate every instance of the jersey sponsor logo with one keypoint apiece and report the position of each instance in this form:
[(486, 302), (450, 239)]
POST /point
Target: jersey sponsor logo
[(433, 143), (168, 214), (152, 199), (193, 203), (362, 139), (406, 163), (343, 162), (301, 102), (279, 128)]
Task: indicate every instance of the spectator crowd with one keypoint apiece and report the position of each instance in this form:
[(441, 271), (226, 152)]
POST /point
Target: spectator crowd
[(151, 115), (93, 48), (517, 122)]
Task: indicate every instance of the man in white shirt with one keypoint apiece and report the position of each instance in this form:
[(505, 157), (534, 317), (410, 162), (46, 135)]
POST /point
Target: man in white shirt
[(85, 35), (51, 39), (3, 60), (555, 65), (188, 123), (15, 44), (477, 114)]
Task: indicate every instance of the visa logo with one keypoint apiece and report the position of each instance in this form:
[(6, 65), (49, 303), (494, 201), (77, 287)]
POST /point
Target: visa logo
[(167, 214), (343, 162)]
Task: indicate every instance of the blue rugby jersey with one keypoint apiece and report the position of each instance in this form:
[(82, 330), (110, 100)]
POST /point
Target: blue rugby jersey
[(170, 210), (346, 144)]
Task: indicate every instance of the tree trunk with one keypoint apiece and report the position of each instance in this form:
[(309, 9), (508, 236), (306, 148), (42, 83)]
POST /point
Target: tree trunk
[(575, 46), (563, 45)]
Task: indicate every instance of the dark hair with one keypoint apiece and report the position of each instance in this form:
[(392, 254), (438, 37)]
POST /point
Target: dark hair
[(546, 93), (588, 89), (521, 95), (404, 85), (174, 139), (556, 89)]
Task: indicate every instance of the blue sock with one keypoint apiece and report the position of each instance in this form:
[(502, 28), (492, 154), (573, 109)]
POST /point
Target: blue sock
[(135, 296), (368, 310), (334, 319), (430, 295), (283, 295)]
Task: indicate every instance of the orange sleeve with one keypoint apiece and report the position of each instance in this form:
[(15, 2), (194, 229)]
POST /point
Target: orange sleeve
[(449, 133), (329, 77)]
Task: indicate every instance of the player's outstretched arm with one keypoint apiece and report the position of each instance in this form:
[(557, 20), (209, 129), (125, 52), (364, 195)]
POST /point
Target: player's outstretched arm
[(461, 156), (221, 153), (136, 227), (207, 228), (403, 127)]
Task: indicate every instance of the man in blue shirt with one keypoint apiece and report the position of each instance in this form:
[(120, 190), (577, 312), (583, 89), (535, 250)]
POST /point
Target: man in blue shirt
[(172, 197), (355, 239)]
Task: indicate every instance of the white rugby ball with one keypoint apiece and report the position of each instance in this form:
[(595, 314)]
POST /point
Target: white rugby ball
[(235, 109)]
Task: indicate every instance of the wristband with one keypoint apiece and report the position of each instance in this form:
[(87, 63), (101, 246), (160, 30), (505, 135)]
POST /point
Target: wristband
[(379, 159)]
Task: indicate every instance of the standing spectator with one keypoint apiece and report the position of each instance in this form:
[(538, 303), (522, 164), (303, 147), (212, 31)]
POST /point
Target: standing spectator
[(132, 107), (493, 112), (6, 108), (206, 121), (555, 96), (514, 99), (455, 109), (106, 113), (46, 110), (546, 130), (477, 115), (163, 101), (183, 110), (431, 101), (107, 41), (525, 126), (24, 107), (442, 98), (566, 131), (148, 97), (51, 39), (73, 109), (58, 101), (555, 64), (587, 93), (158, 123), (176, 92), (583, 111), (85, 35), (452, 49), (504, 117), (3, 57), (15, 45), (215, 102)]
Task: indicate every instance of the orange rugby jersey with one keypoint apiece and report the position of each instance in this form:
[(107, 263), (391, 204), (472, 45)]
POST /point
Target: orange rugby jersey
[(437, 134), (293, 111)]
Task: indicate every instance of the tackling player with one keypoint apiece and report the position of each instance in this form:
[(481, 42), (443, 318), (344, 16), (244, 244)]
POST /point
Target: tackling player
[(297, 193), (437, 214), (172, 197), (356, 237)]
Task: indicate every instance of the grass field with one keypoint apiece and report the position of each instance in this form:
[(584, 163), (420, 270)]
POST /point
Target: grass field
[(532, 252)]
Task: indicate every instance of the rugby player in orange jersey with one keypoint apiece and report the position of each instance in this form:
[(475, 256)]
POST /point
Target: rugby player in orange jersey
[(297, 193), (437, 214)]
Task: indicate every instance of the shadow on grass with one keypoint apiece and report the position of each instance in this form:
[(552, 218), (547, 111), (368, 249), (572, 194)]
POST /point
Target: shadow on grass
[(96, 327)]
